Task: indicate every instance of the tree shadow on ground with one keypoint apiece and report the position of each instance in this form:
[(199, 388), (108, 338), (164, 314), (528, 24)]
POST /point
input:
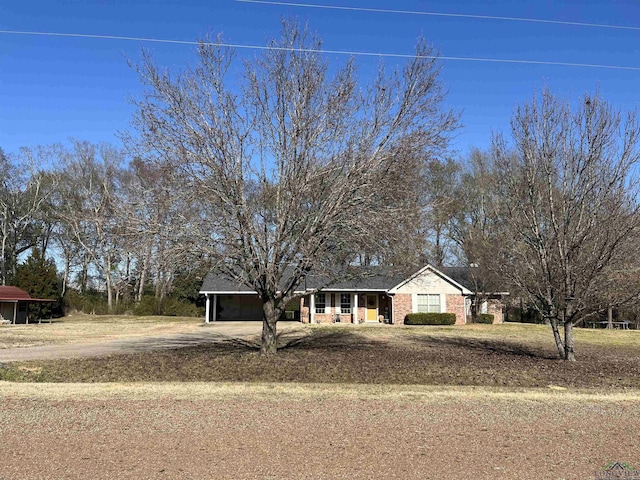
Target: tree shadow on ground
[(487, 346), (326, 340)]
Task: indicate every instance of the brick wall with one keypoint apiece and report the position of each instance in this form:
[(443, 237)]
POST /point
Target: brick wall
[(455, 304), (401, 307)]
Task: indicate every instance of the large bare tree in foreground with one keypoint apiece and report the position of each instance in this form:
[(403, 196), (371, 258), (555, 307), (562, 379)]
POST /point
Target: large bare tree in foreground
[(285, 163), (569, 209)]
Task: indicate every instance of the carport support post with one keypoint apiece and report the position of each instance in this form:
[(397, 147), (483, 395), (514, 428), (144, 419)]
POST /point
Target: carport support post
[(207, 308), (15, 313)]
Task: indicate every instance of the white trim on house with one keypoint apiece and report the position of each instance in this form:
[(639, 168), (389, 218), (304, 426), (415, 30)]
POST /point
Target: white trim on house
[(463, 290), (225, 292), (379, 290), (312, 307), (355, 309), (244, 292)]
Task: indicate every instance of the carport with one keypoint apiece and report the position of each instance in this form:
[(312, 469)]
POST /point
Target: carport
[(14, 305)]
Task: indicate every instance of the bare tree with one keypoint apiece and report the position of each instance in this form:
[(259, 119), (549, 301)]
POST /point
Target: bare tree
[(570, 208), (153, 205), (22, 195), (472, 226), (89, 204), (284, 166), (440, 203)]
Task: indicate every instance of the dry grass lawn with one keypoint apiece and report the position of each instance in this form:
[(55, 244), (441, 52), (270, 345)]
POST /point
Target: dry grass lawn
[(242, 431), (513, 356), (479, 401), (82, 328)]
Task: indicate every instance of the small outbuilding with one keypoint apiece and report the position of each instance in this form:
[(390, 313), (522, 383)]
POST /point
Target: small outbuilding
[(14, 304)]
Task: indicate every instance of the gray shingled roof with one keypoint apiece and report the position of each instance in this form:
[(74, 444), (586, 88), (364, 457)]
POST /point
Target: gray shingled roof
[(217, 282), (462, 275), (377, 278)]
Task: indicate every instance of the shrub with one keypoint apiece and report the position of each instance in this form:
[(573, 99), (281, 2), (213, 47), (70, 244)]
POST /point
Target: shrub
[(179, 308), (170, 306), (485, 318), (148, 305), (91, 301), (430, 319)]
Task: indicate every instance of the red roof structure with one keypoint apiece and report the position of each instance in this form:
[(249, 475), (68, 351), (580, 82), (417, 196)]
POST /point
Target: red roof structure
[(12, 294), (14, 304), (15, 294)]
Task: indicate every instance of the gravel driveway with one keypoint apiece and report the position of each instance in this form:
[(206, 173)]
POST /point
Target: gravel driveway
[(211, 333)]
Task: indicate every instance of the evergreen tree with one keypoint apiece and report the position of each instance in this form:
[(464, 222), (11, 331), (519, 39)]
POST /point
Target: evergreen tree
[(39, 278)]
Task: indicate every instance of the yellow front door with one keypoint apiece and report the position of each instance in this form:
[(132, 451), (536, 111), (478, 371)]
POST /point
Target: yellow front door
[(372, 308)]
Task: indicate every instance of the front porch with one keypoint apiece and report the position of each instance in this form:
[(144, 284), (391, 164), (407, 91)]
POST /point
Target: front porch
[(322, 307), (346, 307)]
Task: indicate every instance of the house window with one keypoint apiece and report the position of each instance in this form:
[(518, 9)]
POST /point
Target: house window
[(321, 302), (428, 303), (484, 307), (345, 303)]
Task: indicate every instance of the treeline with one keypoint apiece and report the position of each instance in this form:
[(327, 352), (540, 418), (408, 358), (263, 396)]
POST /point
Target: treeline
[(83, 224), (548, 213)]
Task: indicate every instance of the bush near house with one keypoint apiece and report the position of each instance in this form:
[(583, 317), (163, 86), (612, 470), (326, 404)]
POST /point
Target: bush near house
[(485, 318), (430, 319)]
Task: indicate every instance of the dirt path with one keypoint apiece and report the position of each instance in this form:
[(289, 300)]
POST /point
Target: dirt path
[(306, 437), (213, 333)]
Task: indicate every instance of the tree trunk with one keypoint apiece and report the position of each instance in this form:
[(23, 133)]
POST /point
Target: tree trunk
[(610, 317), (143, 275), (269, 344), (65, 275), (556, 335), (475, 309), (3, 261), (569, 353), (109, 286), (84, 274)]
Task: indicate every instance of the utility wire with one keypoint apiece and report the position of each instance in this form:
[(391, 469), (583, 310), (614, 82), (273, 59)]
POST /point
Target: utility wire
[(442, 14), (323, 51)]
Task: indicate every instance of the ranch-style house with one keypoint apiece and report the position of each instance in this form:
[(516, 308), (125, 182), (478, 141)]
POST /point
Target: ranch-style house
[(377, 298)]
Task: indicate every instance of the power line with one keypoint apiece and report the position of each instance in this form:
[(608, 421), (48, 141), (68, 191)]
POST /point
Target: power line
[(323, 51), (442, 14)]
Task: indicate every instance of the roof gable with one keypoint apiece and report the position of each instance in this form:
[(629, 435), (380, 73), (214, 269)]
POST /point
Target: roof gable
[(421, 280)]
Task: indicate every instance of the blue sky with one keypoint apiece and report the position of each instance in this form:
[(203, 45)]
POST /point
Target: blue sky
[(54, 88)]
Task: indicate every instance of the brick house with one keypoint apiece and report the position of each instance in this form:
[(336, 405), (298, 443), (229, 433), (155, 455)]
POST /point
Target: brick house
[(378, 298)]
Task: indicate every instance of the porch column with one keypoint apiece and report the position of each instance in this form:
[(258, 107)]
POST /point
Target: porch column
[(355, 308), (206, 308), (215, 307), (15, 313), (312, 308)]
